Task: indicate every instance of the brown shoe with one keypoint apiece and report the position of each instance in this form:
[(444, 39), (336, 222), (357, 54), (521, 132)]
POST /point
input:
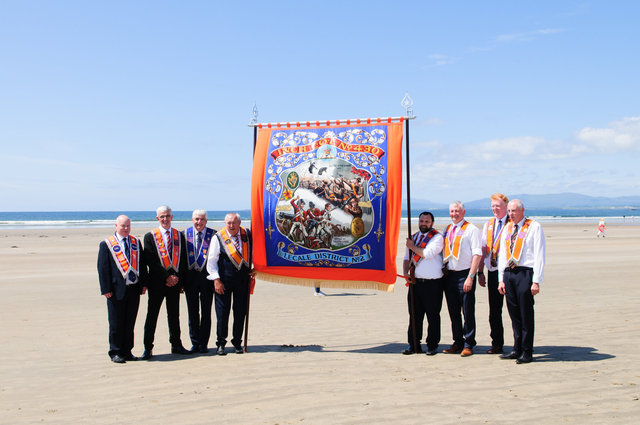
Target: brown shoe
[(494, 350), (467, 352), (454, 349)]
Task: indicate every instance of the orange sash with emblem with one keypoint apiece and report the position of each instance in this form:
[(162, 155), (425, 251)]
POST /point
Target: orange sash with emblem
[(120, 258), (230, 248), (415, 258), (174, 261), (455, 252), (493, 245), (513, 258)]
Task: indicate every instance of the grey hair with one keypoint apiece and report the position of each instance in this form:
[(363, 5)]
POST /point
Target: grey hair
[(457, 203), (199, 212), (162, 208), (231, 216), (518, 203)]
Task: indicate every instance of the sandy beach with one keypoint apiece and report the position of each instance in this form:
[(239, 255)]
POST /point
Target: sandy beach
[(321, 360)]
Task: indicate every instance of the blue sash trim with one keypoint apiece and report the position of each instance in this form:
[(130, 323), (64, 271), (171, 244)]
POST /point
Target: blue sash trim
[(197, 260)]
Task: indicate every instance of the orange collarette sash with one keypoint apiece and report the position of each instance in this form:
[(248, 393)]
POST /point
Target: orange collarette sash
[(174, 261), (230, 248), (415, 259), (493, 246), (513, 258), (455, 253), (124, 265)]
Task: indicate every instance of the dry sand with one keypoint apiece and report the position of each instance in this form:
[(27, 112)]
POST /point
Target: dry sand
[(331, 360)]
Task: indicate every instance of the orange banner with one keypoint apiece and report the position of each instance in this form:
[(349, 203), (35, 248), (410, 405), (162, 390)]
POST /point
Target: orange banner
[(326, 204)]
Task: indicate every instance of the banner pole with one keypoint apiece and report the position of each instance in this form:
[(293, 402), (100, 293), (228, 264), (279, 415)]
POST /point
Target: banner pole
[(254, 120), (407, 103)]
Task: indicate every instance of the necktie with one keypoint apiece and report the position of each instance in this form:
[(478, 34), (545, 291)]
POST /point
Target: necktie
[(236, 242), (453, 234), (499, 227), (127, 252), (514, 236), (198, 242), (169, 244)]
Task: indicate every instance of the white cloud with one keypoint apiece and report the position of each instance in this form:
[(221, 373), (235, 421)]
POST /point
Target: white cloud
[(438, 59), (527, 36), (620, 135)]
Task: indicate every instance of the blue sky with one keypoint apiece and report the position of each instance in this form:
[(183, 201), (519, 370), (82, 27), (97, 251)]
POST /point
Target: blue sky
[(126, 105)]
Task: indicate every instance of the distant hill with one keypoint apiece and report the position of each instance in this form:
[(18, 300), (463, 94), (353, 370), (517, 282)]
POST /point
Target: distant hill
[(550, 201), (566, 201)]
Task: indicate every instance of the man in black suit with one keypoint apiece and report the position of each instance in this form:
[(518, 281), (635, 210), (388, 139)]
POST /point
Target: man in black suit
[(229, 266), (122, 273), (197, 288), (166, 257)]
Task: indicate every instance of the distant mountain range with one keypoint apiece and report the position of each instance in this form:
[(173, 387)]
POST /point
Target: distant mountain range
[(555, 200)]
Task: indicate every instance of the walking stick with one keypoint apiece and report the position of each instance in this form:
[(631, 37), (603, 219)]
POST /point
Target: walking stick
[(251, 278), (412, 277)]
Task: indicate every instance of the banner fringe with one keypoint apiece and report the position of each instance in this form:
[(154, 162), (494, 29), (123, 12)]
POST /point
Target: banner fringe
[(325, 283)]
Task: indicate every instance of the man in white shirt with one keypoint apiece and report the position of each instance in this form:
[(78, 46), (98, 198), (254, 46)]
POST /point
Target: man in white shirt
[(424, 255), (491, 233), (462, 256), (520, 273)]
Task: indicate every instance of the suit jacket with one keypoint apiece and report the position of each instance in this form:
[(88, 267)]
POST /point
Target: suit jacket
[(111, 279), (195, 277), (157, 273)]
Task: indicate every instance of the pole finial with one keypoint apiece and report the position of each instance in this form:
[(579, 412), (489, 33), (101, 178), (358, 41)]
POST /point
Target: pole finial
[(407, 104), (254, 114)]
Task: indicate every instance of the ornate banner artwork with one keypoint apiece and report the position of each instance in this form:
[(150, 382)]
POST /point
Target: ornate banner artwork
[(326, 204)]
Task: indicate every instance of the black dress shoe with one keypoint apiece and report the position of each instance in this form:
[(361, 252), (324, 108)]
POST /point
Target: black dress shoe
[(146, 355), (432, 352), (204, 349), (194, 349), (130, 357), (510, 356), (238, 349), (179, 350), (118, 359), (220, 351), (524, 358), (409, 350)]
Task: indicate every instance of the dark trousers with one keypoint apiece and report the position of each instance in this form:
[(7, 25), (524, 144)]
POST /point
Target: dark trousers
[(427, 300), (122, 320), (156, 296), (495, 310), (235, 292), (458, 300), (199, 301), (520, 302)]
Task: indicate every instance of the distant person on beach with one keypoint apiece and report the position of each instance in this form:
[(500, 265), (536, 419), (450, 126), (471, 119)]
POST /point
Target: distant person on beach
[(491, 233), (198, 289), (166, 256), (601, 228), (424, 256), (122, 273), (462, 257), (229, 267), (520, 273)]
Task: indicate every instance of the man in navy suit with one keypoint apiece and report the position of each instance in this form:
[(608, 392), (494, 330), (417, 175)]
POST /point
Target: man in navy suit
[(123, 274), (197, 288)]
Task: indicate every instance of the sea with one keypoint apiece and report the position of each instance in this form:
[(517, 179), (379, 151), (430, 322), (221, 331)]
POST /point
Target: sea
[(182, 219)]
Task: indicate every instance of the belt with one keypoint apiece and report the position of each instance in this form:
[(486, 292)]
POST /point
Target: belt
[(427, 280), (517, 269)]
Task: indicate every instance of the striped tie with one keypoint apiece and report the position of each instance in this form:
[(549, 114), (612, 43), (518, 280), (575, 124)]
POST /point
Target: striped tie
[(199, 242), (169, 244), (514, 236), (127, 252)]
